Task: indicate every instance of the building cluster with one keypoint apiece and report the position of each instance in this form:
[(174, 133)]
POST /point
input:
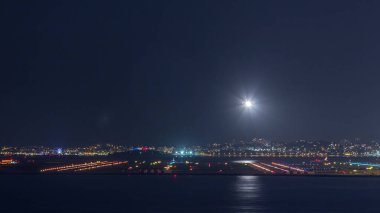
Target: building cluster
[(301, 148), (93, 150), (253, 147)]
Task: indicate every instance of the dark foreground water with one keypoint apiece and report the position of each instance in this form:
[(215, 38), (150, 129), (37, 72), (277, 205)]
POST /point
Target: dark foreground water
[(114, 193)]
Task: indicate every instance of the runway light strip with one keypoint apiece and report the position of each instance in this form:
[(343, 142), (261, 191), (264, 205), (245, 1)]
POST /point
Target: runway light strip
[(72, 166), (99, 166), (288, 167), (76, 167), (262, 168), (83, 166), (66, 167), (274, 167)]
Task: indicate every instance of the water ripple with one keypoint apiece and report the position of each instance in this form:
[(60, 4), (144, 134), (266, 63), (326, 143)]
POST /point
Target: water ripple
[(248, 194)]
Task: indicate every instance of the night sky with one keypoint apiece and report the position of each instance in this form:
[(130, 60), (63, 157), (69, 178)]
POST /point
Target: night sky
[(176, 72)]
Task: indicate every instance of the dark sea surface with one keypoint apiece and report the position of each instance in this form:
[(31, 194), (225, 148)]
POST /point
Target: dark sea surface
[(122, 193)]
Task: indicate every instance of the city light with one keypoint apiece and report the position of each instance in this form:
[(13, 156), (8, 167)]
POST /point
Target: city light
[(184, 153), (7, 162), (365, 164)]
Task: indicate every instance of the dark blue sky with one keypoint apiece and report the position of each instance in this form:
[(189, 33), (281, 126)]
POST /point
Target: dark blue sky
[(174, 72)]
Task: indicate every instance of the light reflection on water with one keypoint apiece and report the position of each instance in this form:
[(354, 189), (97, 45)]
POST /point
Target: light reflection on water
[(248, 194)]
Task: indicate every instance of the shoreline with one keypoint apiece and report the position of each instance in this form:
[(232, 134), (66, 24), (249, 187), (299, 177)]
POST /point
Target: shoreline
[(186, 174)]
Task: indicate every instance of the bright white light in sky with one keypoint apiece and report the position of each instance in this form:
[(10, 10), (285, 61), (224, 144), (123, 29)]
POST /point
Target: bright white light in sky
[(248, 104)]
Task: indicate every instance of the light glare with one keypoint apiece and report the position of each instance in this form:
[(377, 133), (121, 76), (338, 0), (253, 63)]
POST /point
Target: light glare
[(248, 103)]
